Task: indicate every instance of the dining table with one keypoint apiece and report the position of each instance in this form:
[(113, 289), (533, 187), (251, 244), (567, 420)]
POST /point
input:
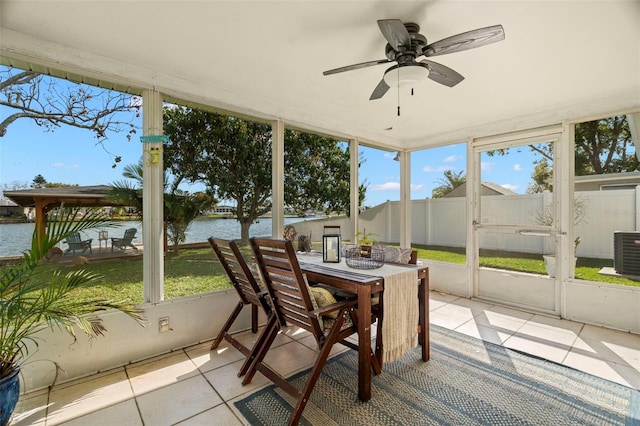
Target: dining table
[(367, 282)]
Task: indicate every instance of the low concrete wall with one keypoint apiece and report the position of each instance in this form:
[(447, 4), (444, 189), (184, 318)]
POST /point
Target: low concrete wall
[(192, 320)]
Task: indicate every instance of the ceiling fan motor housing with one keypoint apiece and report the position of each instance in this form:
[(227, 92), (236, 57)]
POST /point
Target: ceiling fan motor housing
[(408, 53)]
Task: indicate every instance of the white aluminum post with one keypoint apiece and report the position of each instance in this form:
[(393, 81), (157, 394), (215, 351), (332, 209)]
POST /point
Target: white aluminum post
[(277, 179), (473, 216), (405, 199), (152, 197), (354, 188)]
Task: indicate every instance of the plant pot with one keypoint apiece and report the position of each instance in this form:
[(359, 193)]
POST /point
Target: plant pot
[(550, 264), (9, 394), (365, 251)]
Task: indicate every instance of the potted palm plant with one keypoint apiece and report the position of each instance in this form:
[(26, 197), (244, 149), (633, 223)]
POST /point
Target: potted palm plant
[(31, 301), (365, 241)]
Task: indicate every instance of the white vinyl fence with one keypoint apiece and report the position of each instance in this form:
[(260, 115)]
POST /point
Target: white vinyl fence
[(442, 221)]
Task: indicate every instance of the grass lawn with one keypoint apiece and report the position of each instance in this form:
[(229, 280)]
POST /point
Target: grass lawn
[(586, 268), (191, 271), (194, 271)]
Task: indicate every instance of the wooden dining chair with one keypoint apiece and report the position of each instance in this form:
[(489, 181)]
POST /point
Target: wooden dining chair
[(293, 305), (245, 285)]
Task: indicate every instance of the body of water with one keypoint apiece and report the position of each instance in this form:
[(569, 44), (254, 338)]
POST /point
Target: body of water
[(16, 237)]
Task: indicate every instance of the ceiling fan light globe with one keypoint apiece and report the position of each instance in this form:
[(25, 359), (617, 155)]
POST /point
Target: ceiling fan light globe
[(407, 75)]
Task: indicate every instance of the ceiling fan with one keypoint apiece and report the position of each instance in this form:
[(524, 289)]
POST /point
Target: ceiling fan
[(406, 44)]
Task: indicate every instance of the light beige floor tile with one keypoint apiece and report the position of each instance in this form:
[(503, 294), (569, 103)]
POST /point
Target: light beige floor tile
[(178, 401), (616, 337), (86, 396), (482, 332), (547, 335), (612, 345), (228, 385), (608, 351), (207, 359), (437, 300), (447, 321), (545, 349), (501, 318), (475, 306), (458, 313), (121, 414), (290, 358), (612, 371), (219, 415), (161, 371), (31, 409), (557, 324), (295, 333)]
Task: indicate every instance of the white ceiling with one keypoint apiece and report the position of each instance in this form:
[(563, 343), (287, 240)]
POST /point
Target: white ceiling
[(560, 60)]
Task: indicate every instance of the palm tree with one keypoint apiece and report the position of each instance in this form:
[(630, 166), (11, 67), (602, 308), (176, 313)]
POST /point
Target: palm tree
[(450, 182), (180, 207)]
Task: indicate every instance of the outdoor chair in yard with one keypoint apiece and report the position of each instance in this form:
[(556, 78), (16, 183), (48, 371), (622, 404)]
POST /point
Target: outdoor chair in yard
[(245, 285), (125, 241), (75, 242), (293, 304)]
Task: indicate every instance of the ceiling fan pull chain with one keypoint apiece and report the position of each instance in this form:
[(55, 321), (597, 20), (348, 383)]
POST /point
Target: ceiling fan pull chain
[(398, 91)]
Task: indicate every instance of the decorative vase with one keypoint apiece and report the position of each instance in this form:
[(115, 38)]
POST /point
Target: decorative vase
[(9, 394)]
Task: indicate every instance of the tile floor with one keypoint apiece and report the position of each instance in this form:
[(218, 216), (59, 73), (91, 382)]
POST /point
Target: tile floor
[(196, 386)]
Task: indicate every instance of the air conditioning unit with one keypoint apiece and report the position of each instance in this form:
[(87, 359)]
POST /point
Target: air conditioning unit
[(626, 252)]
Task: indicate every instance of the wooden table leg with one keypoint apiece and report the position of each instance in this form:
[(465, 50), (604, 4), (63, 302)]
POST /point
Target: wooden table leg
[(364, 343), (423, 307)]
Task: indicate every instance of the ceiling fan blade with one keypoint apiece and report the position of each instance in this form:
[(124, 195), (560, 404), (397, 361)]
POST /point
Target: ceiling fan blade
[(465, 41), (379, 91), (356, 66), (395, 33), (441, 74)]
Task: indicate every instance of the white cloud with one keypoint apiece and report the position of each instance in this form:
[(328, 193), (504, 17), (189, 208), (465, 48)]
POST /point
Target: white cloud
[(509, 186), (386, 186), (451, 158), (486, 167), (417, 187), (60, 165), (517, 167), (439, 169)]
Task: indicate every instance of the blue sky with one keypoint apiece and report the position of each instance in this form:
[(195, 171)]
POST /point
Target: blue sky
[(71, 155), (428, 167)]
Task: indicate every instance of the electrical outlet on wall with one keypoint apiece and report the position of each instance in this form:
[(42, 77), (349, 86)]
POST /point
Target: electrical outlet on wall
[(163, 324)]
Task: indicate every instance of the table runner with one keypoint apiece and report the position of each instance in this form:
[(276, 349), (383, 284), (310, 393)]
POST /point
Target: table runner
[(400, 302)]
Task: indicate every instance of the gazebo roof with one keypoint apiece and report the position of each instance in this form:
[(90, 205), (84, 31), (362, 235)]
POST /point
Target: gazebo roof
[(70, 196)]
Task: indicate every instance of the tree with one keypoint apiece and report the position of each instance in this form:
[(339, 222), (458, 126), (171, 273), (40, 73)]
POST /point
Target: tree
[(542, 177), (39, 182), (232, 157), (451, 181), (602, 146), (317, 174), (50, 103), (180, 207)]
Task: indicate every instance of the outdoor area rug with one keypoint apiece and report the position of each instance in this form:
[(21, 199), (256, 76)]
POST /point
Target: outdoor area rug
[(466, 382)]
